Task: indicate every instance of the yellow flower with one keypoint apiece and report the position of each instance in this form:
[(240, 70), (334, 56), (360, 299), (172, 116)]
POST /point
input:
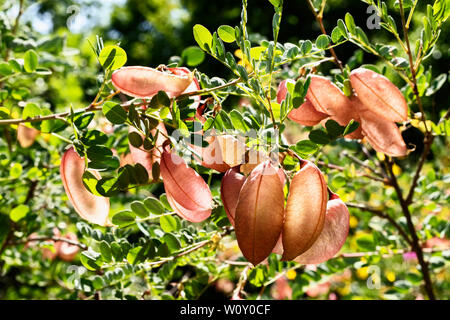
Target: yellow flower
[(353, 222), (362, 273), (390, 276), (381, 156), (343, 291), (291, 274), (243, 61), (396, 170)]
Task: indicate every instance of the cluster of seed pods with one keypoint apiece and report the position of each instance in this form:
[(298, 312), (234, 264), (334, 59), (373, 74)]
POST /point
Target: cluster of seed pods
[(141, 82), (376, 103), (309, 226)]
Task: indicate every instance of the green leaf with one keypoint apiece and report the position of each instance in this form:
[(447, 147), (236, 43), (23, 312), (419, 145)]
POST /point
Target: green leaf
[(30, 111), (135, 255), (172, 242), (242, 72), (112, 57), (105, 251), (230, 60), (5, 69), (342, 28), (203, 37), (168, 223), (116, 251), (226, 33), (305, 147), (98, 153), (436, 262), (81, 121), (322, 41), (114, 112), (135, 139), (436, 84), (275, 3), (365, 242), (90, 182), (208, 124), (350, 22), (19, 212), (15, 171), (183, 129), (4, 228), (351, 127), (156, 171), (139, 208), (362, 36), (154, 205), (334, 129), (89, 261), (123, 218), (193, 56), (338, 181), (238, 121), (258, 276), (160, 100), (15, 65), (30, 61), (306, 47), (336, 35), (319, 137)]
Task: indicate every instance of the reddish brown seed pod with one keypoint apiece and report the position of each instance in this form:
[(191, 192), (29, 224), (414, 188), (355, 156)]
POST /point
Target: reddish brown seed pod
[(379, 95), (281, 289), (306, 114), (333, 235), (259, 213), (67, 251), (384, 136), (188, 193), (191, 215), (144, 82), (222, 153), (211, 156), (230, 188), (326, 97), (47, 253), (194, 86), (26, 136), (92, 208), (305, 210)]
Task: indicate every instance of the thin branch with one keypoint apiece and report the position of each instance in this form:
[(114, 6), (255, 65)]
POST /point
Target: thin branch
[(428, 143), (192, 249), (383, 215), (16, 25), (411, 65), (362, 164), (208, 90), (95, 106), (47, 238), (416, 247), (48, 117), (336, 167), (322, 28), (242, 281)]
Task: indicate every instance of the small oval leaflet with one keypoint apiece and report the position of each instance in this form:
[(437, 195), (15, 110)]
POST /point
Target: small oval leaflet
[(112, 57)]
